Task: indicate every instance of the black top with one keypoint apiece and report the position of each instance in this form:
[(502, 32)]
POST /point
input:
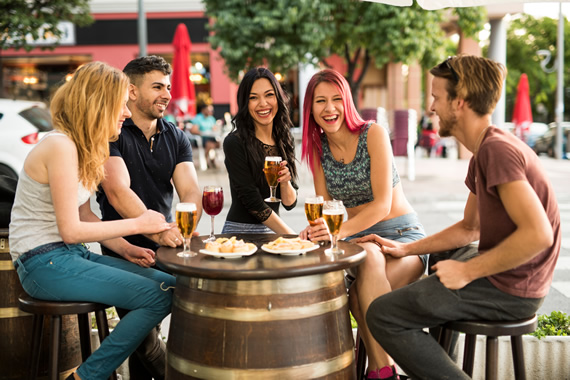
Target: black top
[(248, 185), (151, 164)]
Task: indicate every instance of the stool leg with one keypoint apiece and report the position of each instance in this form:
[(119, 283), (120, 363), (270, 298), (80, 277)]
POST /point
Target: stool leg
[(84, 335), (360, 358), (518, 357), (445, 339), (469, 353), (491, 358), (53, 371), (36, 345)]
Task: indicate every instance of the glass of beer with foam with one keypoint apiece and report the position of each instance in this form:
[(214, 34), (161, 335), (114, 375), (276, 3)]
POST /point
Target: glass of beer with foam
[(186, 216), (271, 170), (314, 208), (333, 215)]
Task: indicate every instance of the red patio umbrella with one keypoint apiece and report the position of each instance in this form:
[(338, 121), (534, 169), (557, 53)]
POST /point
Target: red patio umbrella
[(183, 93), (522, 113)]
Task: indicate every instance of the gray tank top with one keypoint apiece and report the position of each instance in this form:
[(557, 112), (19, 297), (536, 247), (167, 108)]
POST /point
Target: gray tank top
[(33, 220), (350, 182)]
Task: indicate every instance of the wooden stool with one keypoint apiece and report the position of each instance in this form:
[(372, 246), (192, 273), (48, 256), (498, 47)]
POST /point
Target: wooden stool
[(41, 308), (492, 329)]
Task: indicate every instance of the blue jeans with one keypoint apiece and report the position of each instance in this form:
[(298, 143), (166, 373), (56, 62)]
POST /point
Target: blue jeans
[(73, 273), (403, 228)]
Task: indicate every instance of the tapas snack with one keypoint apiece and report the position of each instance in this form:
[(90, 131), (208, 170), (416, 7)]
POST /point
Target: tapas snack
[(283, 245), (231, 245)]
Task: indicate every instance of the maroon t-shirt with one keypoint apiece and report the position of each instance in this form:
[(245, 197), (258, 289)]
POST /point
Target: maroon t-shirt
[(503, 158)]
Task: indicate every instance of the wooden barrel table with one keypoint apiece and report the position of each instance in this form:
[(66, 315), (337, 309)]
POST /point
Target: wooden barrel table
[(16, 328), (263, 316)]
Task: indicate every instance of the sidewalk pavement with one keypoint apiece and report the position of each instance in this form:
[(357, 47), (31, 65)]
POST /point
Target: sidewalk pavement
[(438, 194)]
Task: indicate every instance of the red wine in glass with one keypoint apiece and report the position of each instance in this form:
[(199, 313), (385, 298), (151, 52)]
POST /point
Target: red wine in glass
[(212, 203)]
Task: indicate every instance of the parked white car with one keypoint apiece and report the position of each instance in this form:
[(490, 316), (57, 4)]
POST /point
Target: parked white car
[(22, 124)]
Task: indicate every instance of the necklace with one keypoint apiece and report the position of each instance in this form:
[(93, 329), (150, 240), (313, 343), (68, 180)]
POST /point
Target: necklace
[(479, 141)]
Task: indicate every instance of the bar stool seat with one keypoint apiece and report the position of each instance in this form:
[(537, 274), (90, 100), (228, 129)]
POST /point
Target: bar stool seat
[(492, 329), (55, 309)]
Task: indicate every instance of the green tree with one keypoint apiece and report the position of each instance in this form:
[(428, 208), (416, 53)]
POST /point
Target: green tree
[(527, 35), (38, 19), (282, 33)]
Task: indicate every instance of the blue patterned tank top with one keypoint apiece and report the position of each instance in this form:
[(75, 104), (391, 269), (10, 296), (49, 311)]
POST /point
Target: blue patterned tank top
[(351, 182)]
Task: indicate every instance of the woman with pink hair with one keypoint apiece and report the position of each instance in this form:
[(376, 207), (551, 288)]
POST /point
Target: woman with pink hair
[(351, 160)]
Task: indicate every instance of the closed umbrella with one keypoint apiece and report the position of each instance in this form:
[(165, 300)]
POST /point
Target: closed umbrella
[(183, 93), (522, 113)]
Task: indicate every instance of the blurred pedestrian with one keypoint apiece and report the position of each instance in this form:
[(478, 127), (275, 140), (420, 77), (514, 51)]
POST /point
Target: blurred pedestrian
[(205, 125)]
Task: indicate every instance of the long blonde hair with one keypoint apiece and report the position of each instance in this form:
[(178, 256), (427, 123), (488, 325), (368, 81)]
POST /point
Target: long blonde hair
[(87, 110)]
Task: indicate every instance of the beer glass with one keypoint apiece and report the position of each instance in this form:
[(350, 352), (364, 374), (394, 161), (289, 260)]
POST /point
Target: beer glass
[(271, 170), (186, 216), (333, 214), (314, 208), (212, 203)]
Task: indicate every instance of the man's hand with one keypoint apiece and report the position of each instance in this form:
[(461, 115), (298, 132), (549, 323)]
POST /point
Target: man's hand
[(143, 257), (170, 238), (453, 274), (388, 247)]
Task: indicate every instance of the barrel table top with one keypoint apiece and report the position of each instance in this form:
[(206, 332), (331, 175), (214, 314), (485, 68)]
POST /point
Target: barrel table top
[(261, 265)]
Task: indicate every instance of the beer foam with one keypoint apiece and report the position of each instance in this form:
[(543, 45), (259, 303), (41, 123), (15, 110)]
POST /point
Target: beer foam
[(333, 212), (273, 158), (187, 207)]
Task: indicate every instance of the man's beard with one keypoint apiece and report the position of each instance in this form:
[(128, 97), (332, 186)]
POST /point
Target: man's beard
[(446, 127)]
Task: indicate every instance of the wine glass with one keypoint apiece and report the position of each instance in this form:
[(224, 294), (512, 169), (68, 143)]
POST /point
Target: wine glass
[(314, 208), (212, 202), (333, 214), (271, 170), (186, 216)]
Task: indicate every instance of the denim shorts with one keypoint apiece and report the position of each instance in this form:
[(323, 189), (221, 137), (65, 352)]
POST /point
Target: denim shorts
[(404, 228), (245, 228)]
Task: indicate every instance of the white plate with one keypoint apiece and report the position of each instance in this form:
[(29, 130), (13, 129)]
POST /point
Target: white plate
[(228, 255), (287, 252)]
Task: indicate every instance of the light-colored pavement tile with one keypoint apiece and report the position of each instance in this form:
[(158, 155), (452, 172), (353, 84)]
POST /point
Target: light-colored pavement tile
[(563, 287)]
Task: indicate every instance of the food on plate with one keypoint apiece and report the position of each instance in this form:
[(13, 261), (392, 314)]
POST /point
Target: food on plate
[(231, 245), (291, 244)]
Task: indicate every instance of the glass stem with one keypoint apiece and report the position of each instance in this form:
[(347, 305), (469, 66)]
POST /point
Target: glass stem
[(272, 190), (334, 247), (187, 244), (212, 229)]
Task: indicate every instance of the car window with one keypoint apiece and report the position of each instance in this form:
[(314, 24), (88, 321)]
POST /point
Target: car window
[(39, 117)]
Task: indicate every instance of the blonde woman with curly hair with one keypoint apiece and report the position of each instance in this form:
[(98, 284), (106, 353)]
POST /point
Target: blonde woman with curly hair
[(51, 217)]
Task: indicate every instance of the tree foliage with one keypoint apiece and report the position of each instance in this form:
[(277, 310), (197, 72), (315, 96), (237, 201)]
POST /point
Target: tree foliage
[(283, 33), (21, 19), (527, 35)]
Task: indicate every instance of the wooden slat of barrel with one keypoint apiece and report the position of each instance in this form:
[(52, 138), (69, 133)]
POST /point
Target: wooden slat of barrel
[(295, 328), (16, 328)]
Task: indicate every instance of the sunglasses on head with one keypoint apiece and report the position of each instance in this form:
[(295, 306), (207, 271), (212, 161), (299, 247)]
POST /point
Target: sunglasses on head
[(447, 65)]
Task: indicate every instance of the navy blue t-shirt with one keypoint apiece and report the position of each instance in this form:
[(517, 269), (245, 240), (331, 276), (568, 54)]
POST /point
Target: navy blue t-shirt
[(151, 164)]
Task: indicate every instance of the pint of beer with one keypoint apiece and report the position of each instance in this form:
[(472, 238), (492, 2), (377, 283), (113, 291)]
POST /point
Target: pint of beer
[(333, 214), (271, 169), (186, 216), (333, 219), (314, 208)]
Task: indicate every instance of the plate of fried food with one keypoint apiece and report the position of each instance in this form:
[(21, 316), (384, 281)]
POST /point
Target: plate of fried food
[(229, 248), (289, 246)]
